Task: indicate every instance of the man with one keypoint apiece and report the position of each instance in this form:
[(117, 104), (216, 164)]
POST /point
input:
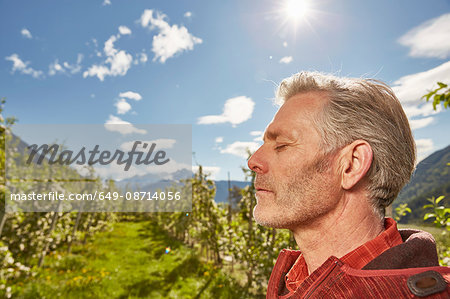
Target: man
[(336, 154)]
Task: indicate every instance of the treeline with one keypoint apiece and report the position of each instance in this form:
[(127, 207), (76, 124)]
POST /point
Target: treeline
[(225, 235), (416, 204), (27, 238)]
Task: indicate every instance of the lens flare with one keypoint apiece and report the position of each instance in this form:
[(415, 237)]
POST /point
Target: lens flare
[(296, 9)]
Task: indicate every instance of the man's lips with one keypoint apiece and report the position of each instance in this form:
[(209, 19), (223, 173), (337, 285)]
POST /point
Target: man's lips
[(259, 189)]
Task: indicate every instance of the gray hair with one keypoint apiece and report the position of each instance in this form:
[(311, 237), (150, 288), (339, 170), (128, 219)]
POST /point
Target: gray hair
[(364, 109)]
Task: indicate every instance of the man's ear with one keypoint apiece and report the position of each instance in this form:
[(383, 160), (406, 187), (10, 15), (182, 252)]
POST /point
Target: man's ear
[(356, 159)]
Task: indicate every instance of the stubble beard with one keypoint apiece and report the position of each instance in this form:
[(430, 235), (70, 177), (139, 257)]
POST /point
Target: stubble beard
[(300, 201)]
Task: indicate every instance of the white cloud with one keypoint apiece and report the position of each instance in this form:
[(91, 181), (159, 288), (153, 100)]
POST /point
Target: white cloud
[(81, 169), (211, 171), (115, 124), (239, 148), (143, 58), (119, 62), (122, 106), (74, 68), (410, 89), (219, 139), (286, 59), (109, 45), (55, 67), (430, 39), (160, 143), (131, 95), (188, 14), (140, 58), (258, 134), (97, 70), (170, 39), (106, 2), (116, 171), (124, 30), (236, 110), (420, 123), (26, 33), (424, 146), (22, 67), (285, 44)]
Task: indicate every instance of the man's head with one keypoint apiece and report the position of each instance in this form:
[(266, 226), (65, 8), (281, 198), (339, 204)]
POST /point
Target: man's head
[(320, 117)]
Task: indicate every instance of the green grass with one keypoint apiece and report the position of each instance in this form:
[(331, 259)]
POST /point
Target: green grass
[(129, 262)]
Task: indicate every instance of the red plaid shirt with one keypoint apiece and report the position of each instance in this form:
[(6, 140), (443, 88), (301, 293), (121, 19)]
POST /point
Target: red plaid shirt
[(356, 259)]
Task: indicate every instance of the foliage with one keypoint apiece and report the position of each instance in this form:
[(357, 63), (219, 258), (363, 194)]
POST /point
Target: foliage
[(440, 94), (441, 216), (430, 178), (228, 237), (27, 238), (401, 211), (97, 269), (440, 213)]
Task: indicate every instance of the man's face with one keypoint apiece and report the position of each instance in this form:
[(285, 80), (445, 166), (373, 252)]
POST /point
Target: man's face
[(294, 182)]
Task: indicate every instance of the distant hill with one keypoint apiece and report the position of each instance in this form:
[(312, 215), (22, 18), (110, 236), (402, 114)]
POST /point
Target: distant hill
[(431, 178), (151, 181), (222, 189)]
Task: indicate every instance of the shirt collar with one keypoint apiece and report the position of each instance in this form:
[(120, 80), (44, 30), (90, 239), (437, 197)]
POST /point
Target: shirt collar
[(356, 258)]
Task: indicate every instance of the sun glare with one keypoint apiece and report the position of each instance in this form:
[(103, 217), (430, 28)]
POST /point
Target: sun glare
[(296, 9)]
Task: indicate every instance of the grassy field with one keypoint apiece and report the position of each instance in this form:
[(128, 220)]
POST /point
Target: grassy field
[(130, 261), (133, 260)]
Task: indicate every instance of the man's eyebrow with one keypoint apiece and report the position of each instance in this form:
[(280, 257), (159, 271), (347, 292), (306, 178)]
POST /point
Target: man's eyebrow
[(272, 134)]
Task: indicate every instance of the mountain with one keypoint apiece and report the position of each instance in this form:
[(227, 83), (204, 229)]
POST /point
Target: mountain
[(431, 178), (222, 189), (153, 182), (150, 181)]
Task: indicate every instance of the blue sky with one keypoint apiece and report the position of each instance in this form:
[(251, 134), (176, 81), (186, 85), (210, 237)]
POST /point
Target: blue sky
[(213, 64)]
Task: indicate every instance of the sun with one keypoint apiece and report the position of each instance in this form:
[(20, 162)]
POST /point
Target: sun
[(296, 9)]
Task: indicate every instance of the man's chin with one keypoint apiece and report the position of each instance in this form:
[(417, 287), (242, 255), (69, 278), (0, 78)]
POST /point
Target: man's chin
[(266, 219)]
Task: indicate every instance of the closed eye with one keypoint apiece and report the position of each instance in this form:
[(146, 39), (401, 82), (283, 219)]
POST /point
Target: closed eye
[(280, 147)]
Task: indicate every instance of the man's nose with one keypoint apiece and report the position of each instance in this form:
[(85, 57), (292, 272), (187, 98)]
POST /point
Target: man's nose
[(256, 162)]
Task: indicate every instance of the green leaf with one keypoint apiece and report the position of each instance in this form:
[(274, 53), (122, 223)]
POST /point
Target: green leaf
[(429, 215), (427, 96), (439, 199), (428, 206), (442, 85)]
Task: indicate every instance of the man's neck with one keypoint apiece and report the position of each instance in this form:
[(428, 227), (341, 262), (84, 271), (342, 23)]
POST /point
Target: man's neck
[(337, 233)]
